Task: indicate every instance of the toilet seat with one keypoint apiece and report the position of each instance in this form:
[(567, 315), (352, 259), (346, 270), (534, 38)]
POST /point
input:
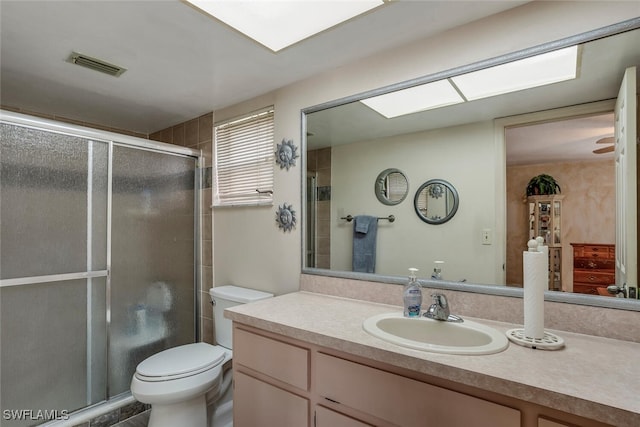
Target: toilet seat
[(180, 362)]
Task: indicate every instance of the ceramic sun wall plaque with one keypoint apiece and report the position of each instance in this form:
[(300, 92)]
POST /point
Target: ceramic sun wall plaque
[(286, 217), (286, 154)]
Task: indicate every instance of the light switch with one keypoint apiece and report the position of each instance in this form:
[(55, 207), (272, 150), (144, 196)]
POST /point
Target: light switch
[(487, 238)]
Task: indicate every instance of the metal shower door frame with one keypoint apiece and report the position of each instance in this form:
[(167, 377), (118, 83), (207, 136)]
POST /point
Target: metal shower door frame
[(111, 139)]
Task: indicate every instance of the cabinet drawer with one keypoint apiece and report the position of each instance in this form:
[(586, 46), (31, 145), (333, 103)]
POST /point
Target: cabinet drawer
[(328, 418), (594, 264), (543, 422), (602, 252), (594, 251), (404, 401), (279, 360), (595, 277), (256, 403)]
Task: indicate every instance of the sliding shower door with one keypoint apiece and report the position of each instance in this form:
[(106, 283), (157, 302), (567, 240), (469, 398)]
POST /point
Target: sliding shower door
[(53, 268), (152, 258), (97, 267)]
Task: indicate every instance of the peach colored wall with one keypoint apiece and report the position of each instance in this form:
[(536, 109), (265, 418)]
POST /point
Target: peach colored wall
[(588, 210)]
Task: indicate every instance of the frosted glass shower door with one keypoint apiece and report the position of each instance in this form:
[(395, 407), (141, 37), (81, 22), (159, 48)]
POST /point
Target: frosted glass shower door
[(153, 258), (53, 268)]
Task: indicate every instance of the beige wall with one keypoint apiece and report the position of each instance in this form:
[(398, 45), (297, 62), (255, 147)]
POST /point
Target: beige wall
[(249, 249), (588, 210), (461, 155)]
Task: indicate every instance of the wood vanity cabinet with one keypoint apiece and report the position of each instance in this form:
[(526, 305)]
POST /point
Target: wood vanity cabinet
[(280, 381), (593, 267), (271, 381)]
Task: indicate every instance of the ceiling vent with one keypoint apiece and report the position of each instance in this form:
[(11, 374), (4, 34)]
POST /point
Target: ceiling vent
[(95, 64)]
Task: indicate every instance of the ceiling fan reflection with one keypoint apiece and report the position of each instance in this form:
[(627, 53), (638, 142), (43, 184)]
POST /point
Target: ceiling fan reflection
[(608, 149)]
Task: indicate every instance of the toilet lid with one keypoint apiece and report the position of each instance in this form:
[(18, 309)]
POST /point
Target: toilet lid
[(182, 360)]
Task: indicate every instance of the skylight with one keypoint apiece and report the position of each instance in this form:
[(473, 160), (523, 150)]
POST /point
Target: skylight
[(414, 99), (539, 70), (277, 24)]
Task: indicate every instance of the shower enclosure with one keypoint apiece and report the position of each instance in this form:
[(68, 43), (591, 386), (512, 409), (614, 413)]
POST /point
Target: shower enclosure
[(98, 262)]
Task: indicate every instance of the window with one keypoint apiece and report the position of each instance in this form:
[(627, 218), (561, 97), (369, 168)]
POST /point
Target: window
[(243, 160)]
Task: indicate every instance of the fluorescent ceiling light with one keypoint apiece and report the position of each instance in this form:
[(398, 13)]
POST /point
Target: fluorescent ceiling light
[(539, 70), (414, 99), (277, 24), (525, 73)]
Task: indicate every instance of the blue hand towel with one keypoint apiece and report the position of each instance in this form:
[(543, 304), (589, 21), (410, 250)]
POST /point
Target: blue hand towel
[(365, 231)]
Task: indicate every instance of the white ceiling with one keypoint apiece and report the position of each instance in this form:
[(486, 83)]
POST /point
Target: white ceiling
[(181, 63), (559, 141)]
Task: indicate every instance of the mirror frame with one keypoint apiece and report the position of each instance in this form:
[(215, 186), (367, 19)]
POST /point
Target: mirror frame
[(562, 297), (379, 185), (450, 214)]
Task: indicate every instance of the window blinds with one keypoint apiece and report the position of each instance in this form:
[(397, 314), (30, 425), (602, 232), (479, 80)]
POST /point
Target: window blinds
[(244, 160)]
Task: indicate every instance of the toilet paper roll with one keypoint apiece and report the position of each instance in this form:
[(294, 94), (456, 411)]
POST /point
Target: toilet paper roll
[(535, 282)]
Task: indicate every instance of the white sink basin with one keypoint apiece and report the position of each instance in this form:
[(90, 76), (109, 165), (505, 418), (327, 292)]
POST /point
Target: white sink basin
[(436, 336)]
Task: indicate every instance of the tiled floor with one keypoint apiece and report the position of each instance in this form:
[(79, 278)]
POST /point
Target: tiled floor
[(140, 420)]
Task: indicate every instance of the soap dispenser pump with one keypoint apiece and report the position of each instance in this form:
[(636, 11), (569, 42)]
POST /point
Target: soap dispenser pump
[(412, 295)]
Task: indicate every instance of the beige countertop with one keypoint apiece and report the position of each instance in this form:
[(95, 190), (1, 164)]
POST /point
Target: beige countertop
[(593, 377)]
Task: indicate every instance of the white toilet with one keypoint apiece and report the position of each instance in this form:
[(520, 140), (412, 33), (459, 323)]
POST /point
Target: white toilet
[(186, 385)]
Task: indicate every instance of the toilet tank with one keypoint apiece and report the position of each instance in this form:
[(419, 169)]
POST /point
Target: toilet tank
[(228, 296)]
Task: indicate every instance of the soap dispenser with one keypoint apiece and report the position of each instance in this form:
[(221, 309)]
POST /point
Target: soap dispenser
[(437, 270), (412, 295)]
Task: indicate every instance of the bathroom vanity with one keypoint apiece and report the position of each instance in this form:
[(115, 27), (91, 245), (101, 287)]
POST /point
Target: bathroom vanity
[(303, 359)]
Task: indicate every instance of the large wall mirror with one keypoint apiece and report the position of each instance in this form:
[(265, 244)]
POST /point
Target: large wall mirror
[(489, 146)]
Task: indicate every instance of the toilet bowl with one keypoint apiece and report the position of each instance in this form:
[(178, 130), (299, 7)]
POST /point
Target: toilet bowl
[(188, 385)]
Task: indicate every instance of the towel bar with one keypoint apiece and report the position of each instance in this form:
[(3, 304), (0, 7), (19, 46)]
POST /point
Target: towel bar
[(389, 218)]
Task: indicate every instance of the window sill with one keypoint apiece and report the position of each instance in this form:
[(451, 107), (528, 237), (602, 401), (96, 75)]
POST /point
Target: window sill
[(243, 205)]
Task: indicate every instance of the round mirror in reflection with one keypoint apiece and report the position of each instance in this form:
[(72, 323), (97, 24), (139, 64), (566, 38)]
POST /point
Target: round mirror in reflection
[(391, 186), (436, 201)]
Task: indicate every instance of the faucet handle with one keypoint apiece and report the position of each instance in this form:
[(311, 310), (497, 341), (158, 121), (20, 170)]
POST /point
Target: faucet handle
[(440, 300)]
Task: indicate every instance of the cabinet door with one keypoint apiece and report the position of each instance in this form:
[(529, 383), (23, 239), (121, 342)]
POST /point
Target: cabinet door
[(328, 418), (404, 401), (256, 403)]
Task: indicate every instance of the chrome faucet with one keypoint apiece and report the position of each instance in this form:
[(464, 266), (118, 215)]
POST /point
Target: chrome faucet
[(617, 290), (439, 310)]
